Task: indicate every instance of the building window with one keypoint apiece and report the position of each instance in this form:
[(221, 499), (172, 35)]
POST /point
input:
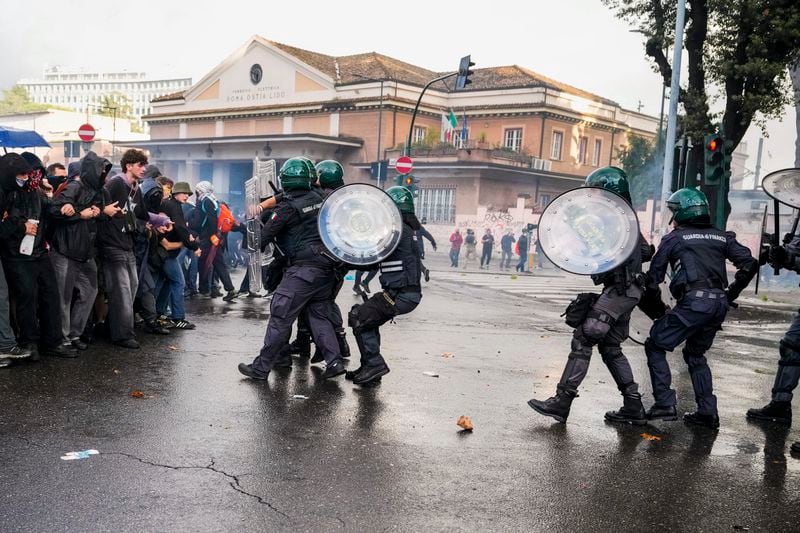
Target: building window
[(436, 205), (598, 148), (555, 148), (513, 139), (419, 134), (544, 200), (583, 150)]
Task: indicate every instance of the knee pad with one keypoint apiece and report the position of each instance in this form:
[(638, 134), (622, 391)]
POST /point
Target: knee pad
[(596, 326), (352, 317)]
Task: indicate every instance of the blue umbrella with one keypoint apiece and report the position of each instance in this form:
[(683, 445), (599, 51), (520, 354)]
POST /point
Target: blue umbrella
[(16, 138)]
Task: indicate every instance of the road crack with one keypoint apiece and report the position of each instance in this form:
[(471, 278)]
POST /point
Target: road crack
[(233, 479)]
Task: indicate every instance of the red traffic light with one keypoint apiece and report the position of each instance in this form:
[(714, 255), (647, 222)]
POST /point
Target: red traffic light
[(714, 144), (409, 181)]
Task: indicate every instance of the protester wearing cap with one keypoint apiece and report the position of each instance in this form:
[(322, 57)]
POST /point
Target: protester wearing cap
[(171, 283)]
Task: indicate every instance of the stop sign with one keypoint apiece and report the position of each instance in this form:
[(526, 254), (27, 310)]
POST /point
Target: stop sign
[(86, 132), (404, 164)]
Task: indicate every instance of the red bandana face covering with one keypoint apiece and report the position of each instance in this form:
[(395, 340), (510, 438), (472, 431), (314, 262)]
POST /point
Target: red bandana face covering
[(34, 178)]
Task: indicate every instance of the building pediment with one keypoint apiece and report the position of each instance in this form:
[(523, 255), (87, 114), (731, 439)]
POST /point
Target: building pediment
[(258, 73)]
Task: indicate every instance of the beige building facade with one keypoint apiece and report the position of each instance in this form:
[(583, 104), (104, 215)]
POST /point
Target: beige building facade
[(521, 138)]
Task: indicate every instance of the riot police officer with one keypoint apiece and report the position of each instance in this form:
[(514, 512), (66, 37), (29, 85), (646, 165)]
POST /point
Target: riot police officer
[(330, 177), (696, 252), (400, 281), (779, 409), (308, 281), (605, 325)]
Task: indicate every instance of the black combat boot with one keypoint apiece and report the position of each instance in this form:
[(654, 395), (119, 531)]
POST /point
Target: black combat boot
[(556, 407), (301, 345), (631, 412), (779, 412), (700, 419), (659, 412), (344, 348)]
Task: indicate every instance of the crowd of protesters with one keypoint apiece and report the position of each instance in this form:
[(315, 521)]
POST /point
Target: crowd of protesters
[(87, 254)]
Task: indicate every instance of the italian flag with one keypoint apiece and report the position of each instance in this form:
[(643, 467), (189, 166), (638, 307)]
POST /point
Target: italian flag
[(449, 124)]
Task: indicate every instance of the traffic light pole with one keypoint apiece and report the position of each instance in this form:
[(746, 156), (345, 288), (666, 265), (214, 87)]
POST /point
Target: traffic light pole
[(416, 109), (672, 121)]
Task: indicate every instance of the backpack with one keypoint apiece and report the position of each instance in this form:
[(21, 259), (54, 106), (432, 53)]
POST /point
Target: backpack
[(225, 219)]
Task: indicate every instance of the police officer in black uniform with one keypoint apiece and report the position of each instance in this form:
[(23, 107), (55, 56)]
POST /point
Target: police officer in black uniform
[(308, 281), (606, 325), (331, 176), (696, 252), (779, 409), (400, 281)]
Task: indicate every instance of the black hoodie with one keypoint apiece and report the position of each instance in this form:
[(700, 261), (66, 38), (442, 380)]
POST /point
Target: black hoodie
[(73, 236), (10, 166), (21, 204)]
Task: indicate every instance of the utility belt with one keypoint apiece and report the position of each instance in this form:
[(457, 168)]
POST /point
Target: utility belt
[(703, 289)]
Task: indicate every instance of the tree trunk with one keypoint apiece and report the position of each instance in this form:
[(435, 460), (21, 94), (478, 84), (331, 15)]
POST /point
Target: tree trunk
[(795, 73)]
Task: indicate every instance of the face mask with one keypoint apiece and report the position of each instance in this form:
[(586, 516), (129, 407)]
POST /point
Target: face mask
[(21, 183)]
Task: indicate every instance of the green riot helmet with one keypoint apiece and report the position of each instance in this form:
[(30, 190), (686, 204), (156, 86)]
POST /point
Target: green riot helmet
[(331, 174), (611, 179), (403, 198), (687, 204), (310, 164), (295, 174)]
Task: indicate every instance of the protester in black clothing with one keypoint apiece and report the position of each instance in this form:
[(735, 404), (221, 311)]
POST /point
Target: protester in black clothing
[(506, 243), (75, 210), (522, 246), (115, 242), (486, 253), (212, 259), (420, 234), (29, 272)]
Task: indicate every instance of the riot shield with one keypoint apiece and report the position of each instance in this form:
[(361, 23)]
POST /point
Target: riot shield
[(360, 224), (588, 231)]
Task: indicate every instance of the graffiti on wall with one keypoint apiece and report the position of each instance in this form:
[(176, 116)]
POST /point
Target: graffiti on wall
[(494, 220)]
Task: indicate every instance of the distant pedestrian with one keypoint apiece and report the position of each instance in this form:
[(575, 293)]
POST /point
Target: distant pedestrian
[(486, 252), (470, 242), (522, 250), (456, 240), (506, 244), (419, 235)]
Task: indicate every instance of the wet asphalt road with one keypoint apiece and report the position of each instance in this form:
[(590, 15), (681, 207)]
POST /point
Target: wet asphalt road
[(206, 450)]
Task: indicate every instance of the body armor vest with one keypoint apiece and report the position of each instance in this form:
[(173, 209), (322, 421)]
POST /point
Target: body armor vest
[(301, 242), (697, 259), (403, 268)]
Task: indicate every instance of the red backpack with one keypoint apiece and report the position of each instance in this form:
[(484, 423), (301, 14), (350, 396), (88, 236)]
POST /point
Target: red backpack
[(225, 220)]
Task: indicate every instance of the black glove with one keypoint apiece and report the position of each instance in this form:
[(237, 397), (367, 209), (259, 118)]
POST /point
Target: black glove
[(731, 299), (651, 303), (779, 257), (763, 257)]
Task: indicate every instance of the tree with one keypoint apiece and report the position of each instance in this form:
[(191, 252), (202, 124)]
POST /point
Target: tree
[(17, 100), (737, 54), (795, 74), (642, 162)]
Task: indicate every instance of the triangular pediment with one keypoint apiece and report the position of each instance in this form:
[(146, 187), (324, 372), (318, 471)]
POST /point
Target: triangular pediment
[(259, 73)]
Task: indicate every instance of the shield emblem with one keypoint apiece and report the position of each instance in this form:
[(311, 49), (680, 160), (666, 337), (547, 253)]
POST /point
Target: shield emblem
[(588, 231), (360, 224)]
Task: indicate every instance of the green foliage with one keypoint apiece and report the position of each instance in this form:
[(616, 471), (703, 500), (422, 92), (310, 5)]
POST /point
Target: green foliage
[(115, 102), (642, 162), (737, 53), (17, 100)]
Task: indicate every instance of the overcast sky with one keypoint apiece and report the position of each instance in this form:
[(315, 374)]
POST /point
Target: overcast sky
[(574, 41)]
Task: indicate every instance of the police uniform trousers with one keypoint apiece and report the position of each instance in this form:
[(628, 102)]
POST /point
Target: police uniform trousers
[(789, 364), (334, 312), (606, 325), (696, 318), (366, 319), (302, 286)]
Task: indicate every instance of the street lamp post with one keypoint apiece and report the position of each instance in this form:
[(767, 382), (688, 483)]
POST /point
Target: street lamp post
[(380, 122)]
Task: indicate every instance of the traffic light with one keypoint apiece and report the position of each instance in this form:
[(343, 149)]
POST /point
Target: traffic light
[(727, 157), (713, 159), (464, 73)]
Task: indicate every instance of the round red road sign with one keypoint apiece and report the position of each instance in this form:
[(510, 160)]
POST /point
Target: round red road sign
[(86, 132), (404, 164)]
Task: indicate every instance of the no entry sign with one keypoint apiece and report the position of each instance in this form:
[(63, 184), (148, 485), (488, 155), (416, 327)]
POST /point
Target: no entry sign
[(404, 164), (86, 132)]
